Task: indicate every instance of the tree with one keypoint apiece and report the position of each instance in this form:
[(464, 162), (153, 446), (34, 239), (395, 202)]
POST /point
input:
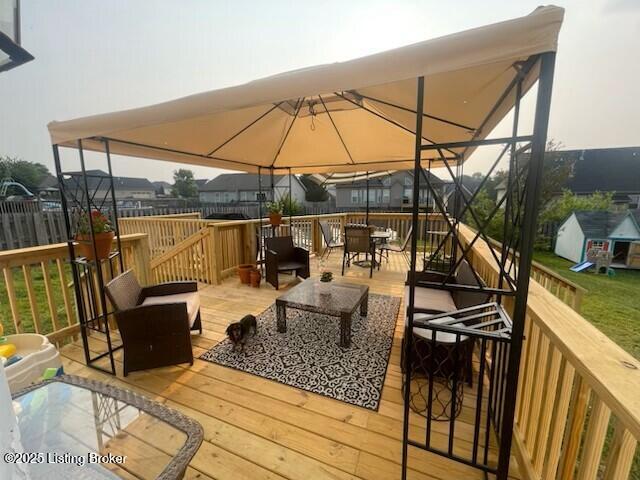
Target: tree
[(29, 174), (184, 184), (315, 192), (556, 171), (569, 202)]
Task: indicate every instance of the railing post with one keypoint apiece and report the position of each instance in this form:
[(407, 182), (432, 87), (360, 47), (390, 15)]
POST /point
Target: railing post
[(215, 253), (142, 255)]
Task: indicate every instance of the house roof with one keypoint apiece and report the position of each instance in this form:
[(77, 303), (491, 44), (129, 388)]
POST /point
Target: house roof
[(605, 170), (162, 183), (227, 182), (340, 117), (119, 183), (600, 224)]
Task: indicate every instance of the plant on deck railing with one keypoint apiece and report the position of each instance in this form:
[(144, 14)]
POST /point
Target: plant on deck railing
[(100, 223)]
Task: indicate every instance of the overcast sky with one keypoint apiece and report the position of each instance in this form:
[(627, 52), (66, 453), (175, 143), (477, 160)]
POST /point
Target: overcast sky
[(95, 56)]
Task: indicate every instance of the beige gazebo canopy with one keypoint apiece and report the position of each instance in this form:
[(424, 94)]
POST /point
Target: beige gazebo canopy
[(357, 115)]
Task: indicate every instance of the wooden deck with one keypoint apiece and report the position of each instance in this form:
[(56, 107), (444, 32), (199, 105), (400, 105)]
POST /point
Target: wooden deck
[(260, 429)]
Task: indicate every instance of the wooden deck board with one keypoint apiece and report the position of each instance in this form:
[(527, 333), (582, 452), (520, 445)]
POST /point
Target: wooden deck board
[(260, 429)]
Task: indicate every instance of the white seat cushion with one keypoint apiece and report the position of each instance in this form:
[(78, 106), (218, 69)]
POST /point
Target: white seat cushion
[(192, 299), (432, 299)]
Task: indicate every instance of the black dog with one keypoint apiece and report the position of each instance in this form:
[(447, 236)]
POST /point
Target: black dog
[(239, 331)]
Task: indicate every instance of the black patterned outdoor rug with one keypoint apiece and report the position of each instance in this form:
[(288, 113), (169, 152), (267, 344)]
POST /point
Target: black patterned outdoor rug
[(308, 356)]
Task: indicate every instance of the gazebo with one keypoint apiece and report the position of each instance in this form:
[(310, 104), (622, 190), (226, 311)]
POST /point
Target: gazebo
[(426, 105)]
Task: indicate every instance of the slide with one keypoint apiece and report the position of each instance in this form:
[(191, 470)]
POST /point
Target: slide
[(581, 267)]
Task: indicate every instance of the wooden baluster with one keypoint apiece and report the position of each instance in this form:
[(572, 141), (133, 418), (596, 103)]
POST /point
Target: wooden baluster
[(594, 440), (621, 454), (33, 301), (538, 388), (68, 308), (46, 275), (544, 421), (579, 404), (559, 421), (13, 302)]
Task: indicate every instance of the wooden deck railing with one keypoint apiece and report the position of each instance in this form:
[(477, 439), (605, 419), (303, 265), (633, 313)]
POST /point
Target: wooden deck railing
[(38, 292), (578, 408)]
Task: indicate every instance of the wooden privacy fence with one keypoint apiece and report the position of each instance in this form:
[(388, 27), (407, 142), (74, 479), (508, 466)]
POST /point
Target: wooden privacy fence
[(37, 295), (28, 229), (578, 406)]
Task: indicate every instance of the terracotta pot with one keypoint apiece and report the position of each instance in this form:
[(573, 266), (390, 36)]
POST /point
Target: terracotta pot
[(255, 277), (244, 272), (103, 245), (275, 219)]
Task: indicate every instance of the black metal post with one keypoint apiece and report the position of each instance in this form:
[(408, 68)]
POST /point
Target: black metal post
[(408, 332), (103, 300), (366, 219), (260, 217), (72, 254), (290, 206), (533, 187), (114, 205)]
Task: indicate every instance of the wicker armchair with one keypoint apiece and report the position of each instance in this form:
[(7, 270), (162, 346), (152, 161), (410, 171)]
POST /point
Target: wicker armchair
[(283, 256), (154, 322)]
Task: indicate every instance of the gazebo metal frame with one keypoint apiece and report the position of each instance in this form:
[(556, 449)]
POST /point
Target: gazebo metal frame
[(519, 213)]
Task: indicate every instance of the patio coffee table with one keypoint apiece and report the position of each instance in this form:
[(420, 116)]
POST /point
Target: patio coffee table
[(341, 301), (73, 427)]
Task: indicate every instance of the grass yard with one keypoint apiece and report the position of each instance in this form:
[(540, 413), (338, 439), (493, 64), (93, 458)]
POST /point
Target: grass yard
[(611, 304), (40, 294)]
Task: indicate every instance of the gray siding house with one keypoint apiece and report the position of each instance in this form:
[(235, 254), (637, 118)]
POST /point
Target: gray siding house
[(390, 192), (126, 188), (242, 188)]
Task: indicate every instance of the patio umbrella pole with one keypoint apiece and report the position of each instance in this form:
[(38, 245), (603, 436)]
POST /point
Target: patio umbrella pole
[(260, 218), (366, 220)]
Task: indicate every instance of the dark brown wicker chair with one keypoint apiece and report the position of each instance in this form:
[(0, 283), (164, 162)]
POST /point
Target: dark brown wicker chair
[(283, 256), (154, 322), (357, 240)]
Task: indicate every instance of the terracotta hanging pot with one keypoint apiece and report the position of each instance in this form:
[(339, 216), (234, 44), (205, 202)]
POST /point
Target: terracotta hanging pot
[(275, 219), (244, 272), (103, 245), (255, 277)]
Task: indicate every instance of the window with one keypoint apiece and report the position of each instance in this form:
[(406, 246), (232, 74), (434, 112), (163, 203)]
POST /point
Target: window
[(386, 195), (216, 197), (386, 181), (372, 195), (226, 197), (243, 196), (354, 196), (408, 181), (408, 192)]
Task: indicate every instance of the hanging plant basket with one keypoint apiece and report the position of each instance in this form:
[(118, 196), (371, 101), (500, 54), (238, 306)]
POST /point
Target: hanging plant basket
[(103, 245)]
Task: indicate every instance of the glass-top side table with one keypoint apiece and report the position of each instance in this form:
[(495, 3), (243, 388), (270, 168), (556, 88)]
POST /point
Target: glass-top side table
[(79, 427)]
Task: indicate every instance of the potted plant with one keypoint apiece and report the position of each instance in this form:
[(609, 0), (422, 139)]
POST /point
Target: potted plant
[(275, 213), (244, 272), (255, 277), (102, 233), (325, 283)]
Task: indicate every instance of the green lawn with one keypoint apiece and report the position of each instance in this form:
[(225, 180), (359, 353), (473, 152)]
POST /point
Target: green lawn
[(41, 299), (612, 303)]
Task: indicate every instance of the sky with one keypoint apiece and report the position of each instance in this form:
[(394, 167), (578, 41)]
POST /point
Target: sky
[(96, 56)]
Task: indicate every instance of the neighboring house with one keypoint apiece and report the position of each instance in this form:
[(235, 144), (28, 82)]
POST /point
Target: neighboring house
[(242, 188), (606, 170), (616, 232), (163, 189), (389, 192), (126, 188)]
